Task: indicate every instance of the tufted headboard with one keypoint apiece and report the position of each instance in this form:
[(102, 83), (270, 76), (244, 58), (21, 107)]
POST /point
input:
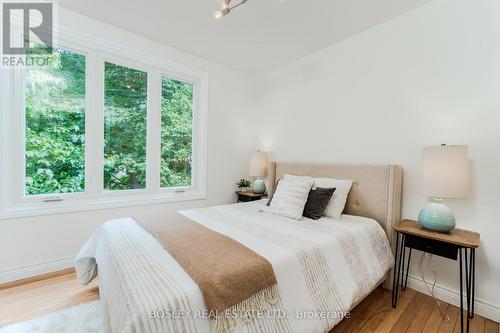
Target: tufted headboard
[(376, 190)]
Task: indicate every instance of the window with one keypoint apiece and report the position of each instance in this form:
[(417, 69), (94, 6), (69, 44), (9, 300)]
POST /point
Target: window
[(125, 112), (55, 125), (176, 132), (103, 126)]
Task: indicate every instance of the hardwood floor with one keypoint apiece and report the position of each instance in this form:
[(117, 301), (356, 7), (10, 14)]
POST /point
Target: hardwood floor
[(33, 299), (415, 312)]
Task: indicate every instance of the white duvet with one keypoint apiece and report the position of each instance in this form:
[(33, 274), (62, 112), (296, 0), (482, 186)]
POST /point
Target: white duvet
[(322, 267)]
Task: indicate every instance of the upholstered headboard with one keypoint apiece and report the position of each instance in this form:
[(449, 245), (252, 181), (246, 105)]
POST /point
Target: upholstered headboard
[(376, 190)]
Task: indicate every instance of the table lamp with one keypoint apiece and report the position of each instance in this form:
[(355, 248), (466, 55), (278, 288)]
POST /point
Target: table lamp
[(258, 168), (445, 174)]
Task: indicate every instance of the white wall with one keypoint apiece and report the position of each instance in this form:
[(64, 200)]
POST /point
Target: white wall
[(428, 77), (25, 242)]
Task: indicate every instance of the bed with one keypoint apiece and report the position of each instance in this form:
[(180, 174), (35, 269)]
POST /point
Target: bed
[(323, 269)]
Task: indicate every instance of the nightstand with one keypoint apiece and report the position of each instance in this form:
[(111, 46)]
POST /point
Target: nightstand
[(246, 196), (457, 244)]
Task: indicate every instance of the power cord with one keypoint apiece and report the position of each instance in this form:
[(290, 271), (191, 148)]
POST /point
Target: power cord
[(431, 289)]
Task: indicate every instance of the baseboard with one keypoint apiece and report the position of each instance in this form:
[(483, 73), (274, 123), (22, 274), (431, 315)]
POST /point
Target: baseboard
[(450, 296), (36, 270)]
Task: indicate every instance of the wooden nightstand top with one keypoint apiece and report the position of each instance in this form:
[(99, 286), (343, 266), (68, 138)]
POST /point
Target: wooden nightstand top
[(457, 236), (251, 194)]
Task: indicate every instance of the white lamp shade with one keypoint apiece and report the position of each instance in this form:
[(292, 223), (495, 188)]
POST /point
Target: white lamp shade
[(445, 172), (258, 164)]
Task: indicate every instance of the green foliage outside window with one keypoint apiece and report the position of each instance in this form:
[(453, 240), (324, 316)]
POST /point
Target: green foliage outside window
[(176, 134), (125, 115), (55, 125), (55, 128)]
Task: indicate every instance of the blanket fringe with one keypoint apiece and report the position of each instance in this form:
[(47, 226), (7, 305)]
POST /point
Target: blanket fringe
[(245, 311)]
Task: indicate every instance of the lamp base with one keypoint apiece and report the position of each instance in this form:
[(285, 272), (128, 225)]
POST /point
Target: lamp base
[(259, 186), (436, 216)]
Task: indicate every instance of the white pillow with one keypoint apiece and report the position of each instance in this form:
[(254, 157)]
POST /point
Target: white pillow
[(290, 198), (337, 203)]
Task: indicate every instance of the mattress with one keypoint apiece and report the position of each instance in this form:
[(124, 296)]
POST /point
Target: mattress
[(323, 268)]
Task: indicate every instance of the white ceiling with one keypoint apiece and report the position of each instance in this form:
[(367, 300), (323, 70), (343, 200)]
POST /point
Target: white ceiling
[(256, 37)]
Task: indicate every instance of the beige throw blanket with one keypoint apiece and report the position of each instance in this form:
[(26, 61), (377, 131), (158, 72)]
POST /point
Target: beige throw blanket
[(235, 281)]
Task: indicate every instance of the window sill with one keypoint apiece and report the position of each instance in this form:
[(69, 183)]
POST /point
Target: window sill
[(65, 207)]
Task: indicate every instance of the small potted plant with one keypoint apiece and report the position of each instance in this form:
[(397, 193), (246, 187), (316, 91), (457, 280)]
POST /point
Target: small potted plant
[(243, 185)]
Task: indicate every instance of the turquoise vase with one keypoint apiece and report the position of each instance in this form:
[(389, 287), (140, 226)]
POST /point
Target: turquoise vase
[(259, 186), (436, 216)]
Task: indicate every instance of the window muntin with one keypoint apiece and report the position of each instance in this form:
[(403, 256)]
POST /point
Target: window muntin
[(176, 133), (125, 124), (55, 125)]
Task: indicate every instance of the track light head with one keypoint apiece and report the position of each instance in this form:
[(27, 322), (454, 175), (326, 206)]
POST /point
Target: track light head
[(226, 8), (222, 12)]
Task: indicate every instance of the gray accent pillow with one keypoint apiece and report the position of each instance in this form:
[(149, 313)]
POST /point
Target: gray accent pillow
[(317, 201)]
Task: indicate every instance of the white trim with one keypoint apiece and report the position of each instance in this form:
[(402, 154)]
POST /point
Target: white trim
[(36, 269), (14, 204), (451, 296), (101, 203), (4, 119)]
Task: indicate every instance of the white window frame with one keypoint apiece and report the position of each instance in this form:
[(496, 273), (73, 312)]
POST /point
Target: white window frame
[(14, 203)]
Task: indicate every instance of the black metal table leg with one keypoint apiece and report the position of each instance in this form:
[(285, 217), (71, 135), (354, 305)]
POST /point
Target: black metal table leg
[(405, 284), (395, 279), (467, 279), (472, 281), (399, 264), (468, 260), (461, 292), (468, 276), (402, 257)]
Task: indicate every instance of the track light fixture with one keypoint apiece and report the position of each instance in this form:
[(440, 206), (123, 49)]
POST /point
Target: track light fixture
[(226, 8)]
